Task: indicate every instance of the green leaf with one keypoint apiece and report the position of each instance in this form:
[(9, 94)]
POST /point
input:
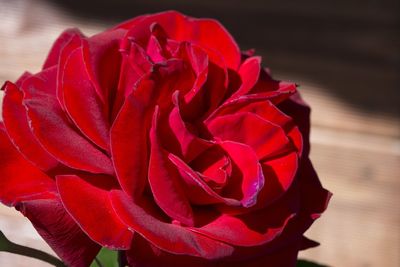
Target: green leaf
[(305, 263), (106, 258)]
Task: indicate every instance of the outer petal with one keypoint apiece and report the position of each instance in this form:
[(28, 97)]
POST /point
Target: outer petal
[(58, 229), (16, 122), (96, 216), (19, 179), (251, 229), (82, 102), (299, 111), (71, 45), (34, 194), (144, 254), (103, 60), (207, 33), (170, 237), (55, 52), (53, 130)]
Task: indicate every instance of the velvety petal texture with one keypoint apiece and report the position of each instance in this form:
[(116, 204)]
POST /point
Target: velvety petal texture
[(160, 139)]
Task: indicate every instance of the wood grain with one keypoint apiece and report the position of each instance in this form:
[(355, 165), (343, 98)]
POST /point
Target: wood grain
[(356, 152)]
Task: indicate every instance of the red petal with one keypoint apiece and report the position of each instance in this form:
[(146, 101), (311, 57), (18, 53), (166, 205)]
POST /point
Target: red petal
[(164, 181), (20, 180), (269, 112), (299, 111), (103, 60), (57, 228), (82, 101), (247, 179), (176, 136), (279, 174), (254, 228), (55, 52), (207, 33), (169, 237), (144, 254), (249, 72), (276, 95), (135, 64), (91, 208), (267, 140), (129, 145), (16, 122), (53, 130), (71, 45), (198, 191)]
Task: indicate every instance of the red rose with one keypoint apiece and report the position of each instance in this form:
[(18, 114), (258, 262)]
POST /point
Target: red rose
[(160, 139)]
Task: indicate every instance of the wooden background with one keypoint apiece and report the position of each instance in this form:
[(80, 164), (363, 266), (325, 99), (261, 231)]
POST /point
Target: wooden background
[(345, 56)]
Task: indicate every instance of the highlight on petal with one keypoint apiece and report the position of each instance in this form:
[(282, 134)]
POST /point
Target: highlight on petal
[(96, 217), (267, 139)]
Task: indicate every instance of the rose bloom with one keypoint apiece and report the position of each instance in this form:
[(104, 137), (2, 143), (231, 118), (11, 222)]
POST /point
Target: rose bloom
[(160, 139)]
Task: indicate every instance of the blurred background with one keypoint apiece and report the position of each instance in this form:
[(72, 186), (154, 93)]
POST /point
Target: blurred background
[(344, 53)]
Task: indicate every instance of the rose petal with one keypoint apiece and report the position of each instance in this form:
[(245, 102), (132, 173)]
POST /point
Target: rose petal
[(53, 130), (57, 228), (215, 166), (279, 175), (249, 72), (16, 123), (247, 178), (267, 139), (103, 60), (96, 217), (129, 145), (198, 191), (178, 138), (299, 111), (207, 33), (276, 95), (71, 45), (55, 52), (20, 180), (251, 229), (169, 237), (164, 181), (144, 254), (82, 102), (135, 64)]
